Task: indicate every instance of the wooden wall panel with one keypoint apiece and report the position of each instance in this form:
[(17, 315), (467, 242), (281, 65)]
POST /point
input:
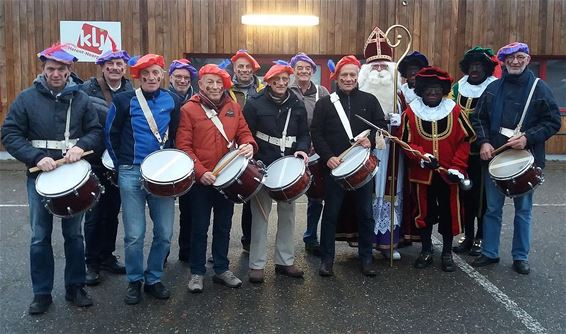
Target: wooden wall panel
[(442, 29)]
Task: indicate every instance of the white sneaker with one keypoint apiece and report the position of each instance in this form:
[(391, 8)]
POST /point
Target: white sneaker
[(396, 255), (228, 279), (195, 284)]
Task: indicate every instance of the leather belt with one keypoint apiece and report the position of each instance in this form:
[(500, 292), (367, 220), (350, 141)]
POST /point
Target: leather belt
[(289, 140), (54, 144)]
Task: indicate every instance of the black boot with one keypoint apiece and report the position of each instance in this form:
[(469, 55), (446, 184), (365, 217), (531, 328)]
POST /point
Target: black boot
[(78, 296), (424, 260), (40, 304), (133, 294), (447, 262), (92, 275), (111, 264), (464, 245)]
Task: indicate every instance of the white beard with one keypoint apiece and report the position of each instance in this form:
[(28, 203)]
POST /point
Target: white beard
[(380, 85)]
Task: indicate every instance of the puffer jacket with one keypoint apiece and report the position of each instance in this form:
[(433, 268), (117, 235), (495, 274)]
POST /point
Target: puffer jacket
[(39, 114)]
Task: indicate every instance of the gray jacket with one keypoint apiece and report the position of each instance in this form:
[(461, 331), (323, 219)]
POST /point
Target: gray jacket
[(309, 98)]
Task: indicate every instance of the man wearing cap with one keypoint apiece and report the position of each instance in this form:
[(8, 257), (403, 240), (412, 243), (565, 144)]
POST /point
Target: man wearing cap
[(377, 77), (408, 67), (50, 120), (129, 139), (439, 135), (308, 92), (477, 65), (101, 222), (498, 121), (246, 84), (331, 136), (181, 74), (211, 124), (278, 121)]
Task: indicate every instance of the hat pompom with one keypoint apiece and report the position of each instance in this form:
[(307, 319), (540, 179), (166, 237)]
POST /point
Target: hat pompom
[(224, 64), (331, 65), (133, 60)]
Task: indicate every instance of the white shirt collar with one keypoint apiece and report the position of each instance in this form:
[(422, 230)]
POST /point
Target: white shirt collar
[(408, 93), (429, 114), (474, 91)]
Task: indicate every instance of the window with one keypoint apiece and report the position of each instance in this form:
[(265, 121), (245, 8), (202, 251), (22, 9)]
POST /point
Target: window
[(553, 72)]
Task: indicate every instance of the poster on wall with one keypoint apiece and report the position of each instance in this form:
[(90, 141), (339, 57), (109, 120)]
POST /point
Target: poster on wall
[(87, 40)]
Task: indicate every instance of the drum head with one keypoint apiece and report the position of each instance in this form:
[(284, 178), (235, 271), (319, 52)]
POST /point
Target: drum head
[(351, 161), (510, 163), (166, 166), (283, 172), (63, 179), (107, 161), (232, 170)]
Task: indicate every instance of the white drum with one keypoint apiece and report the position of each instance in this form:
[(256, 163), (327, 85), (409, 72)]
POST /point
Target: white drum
[(240, 179), (287, 178), (168, 173), (69, 189), (110, 174), (358, 167)]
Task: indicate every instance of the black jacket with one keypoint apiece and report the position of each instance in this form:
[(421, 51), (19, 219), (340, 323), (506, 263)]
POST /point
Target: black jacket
[(263, 114), (37, 114), (328, 134), (541, 121)]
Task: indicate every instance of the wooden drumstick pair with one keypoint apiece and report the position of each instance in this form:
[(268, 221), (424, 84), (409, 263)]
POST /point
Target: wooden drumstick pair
[(220, 168), (59, 162), (363, 134)]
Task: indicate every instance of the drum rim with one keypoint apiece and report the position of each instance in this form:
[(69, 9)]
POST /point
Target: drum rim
[(68, 191), (238, 174), (170, 181), (112, 168), (520, 172), (368, 152), (303, 171)]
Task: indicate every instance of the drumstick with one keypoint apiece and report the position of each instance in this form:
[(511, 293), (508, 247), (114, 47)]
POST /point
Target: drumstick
[(499, 149), (220, 168), (59, 162), (363, 134)]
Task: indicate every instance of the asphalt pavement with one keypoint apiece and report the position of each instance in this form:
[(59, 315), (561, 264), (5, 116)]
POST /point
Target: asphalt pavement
[(400, 299)]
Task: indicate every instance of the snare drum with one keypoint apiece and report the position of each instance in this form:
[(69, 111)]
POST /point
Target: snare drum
[(69, 189), (358, 167), (240, 179), (514, 172), (168, 173), (287, 179), (316, 190), (110, 174)]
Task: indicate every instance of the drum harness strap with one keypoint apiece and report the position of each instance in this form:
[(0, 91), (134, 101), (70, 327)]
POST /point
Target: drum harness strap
[(517, 131), (213, 116), (62, 145), (150, 120), (283, 142), (335, 99)]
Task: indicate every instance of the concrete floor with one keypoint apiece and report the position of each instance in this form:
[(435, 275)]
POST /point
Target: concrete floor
[(400, 299)]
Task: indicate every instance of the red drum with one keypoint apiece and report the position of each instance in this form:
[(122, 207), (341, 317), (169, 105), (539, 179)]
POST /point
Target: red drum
[(240, 179), (110, 174), (69, 189), (287, 179), (168, 173), (358, 167), (514, 172), (316, 190)]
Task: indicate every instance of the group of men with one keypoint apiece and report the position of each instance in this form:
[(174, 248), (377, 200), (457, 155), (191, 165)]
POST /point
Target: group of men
[(433, 143)]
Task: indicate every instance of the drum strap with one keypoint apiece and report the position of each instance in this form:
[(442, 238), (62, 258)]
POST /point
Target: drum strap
[(150, 120), (316, 97), (67, 127), (284, 133), (105, 90), (335, 99), (213, 116), (510, 133)]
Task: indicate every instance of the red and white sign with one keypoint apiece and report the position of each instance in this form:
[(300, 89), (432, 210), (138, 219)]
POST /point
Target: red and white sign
[(87, 40)]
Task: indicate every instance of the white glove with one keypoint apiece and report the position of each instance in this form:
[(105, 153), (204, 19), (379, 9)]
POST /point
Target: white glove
[(395, 119), (455, 175)]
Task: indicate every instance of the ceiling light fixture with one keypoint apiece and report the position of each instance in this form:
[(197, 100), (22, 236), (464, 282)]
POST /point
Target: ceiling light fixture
[(280, 20)]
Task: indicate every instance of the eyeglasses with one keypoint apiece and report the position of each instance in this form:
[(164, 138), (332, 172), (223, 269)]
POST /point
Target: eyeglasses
[(380, 67), (181, 77), (520, 58)]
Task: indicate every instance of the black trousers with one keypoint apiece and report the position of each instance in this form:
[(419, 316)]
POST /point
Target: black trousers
[(438, 201), (185, 227), (474, 200), (246, 223)]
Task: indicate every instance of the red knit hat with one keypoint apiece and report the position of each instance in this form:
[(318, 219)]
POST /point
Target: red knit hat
[(346, 60), (214, 69), (280, 66), (145, 62), (244, 54)]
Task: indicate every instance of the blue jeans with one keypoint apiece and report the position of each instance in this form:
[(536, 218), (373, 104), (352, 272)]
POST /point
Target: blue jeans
[(494, 215), (314, 209), (41, 251), (364, 217), (161, 211), (202, 200)]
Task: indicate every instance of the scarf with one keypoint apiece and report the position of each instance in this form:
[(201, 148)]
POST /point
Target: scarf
[(211, 105), (279, 100)]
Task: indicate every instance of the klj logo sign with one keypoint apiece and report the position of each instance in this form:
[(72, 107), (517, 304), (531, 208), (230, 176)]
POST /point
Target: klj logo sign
[(92, 38), (87, 40)]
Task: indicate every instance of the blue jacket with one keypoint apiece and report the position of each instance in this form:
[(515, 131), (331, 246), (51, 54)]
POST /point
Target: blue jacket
[(541, 121), (127, 135), (37, 114)]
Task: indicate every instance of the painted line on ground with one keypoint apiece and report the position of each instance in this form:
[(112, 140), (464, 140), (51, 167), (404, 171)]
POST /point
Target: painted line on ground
[(296, 203), (531, 323)]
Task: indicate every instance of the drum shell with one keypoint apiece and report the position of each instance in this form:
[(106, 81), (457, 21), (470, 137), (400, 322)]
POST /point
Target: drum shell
[(80, 199), (170, 189), (244, 185), (292, 191), (316, 189), (109, 173), (359, 177), (522, 184)]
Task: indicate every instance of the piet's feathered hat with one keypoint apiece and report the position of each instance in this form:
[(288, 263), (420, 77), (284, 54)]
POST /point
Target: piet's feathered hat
[(244, 54), (428, 76), (139, 63), (335, 69), (183, 64), (301, 56), (483, 55), (376, 47), (216, 70), (512, 48), (413, 58), (280, 66), (112, 54), (57, 52)]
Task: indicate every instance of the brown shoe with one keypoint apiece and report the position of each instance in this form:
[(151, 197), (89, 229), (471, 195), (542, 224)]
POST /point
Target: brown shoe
[(256, 275), (291, 271)]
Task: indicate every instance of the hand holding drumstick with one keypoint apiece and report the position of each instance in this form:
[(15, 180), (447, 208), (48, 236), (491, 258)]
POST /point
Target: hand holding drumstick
[(47, 164)]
